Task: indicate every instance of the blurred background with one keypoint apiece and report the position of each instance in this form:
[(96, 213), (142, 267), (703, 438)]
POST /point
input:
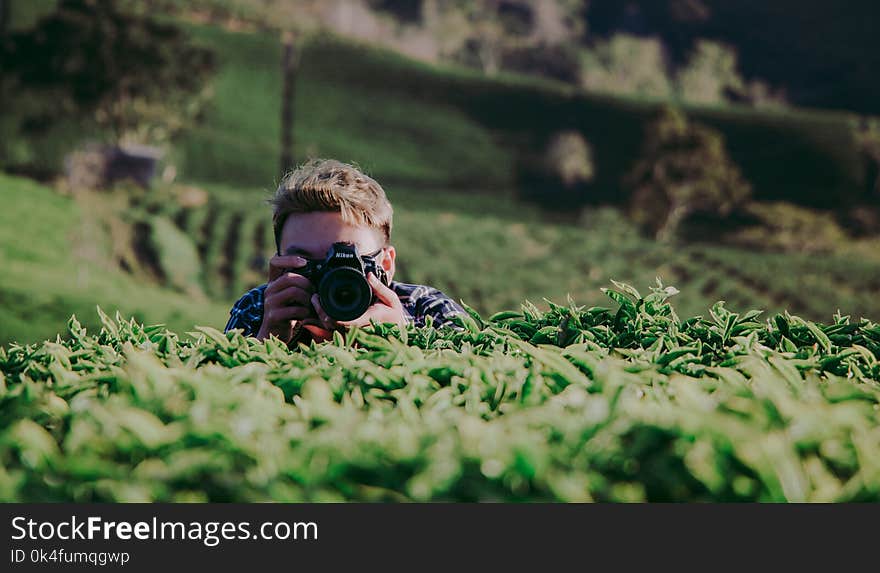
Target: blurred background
[(533, 149)]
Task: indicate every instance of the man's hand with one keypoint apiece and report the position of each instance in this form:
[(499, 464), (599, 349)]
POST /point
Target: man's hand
[(287, 300), (388, 309)]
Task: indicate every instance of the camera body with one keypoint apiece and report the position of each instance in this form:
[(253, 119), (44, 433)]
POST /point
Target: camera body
[(341, 281)]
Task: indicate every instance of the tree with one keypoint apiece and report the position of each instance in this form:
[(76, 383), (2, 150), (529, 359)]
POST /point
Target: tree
[(710, 74), (569, 158), (289, 65), (867, 136), (471, 32), (5, 15), (294, 25), (294, 21), (482, 33), (684, 169), (136, 78), (627, 64)]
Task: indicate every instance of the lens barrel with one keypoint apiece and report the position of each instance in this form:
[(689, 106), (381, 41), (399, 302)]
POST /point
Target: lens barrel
[(345, 293)]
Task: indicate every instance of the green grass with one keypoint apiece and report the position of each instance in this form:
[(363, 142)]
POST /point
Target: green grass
[(54, 265)]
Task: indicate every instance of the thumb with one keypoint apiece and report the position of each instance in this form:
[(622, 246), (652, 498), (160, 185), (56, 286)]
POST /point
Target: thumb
[(318, 333)]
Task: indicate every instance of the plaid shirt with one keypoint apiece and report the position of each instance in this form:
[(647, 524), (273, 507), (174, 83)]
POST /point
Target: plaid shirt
[(418, 302)]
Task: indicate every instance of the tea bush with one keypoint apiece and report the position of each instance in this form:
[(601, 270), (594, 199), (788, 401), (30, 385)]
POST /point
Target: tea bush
[(572, 404)]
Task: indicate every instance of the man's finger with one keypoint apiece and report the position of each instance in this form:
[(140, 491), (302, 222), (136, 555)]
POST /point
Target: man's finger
[(383, 293), (287, 280), (282, 313), (288, 261), (293, 294), (360, 322), (380, 313), (318, 333), (278, 264)]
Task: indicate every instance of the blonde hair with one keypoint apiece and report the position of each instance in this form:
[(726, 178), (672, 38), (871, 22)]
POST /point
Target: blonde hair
[(330, 185)]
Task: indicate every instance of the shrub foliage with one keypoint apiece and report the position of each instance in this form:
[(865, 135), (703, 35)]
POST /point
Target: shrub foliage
[(572, 404)]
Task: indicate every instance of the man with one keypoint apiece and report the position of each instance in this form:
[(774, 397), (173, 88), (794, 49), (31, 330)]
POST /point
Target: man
[(323, 203)]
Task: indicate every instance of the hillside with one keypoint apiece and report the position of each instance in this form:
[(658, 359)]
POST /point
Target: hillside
[(445, 128), (821, 54), (55, 261), (450, 128)]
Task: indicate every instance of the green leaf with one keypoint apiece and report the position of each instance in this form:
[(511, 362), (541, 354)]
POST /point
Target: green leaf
[(628, 289), (108, 323), (820, 336), (505, 315), (626, 305), (474, 315), (213, 334)]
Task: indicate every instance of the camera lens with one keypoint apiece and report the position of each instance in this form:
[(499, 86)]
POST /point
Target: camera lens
[(345, 294)]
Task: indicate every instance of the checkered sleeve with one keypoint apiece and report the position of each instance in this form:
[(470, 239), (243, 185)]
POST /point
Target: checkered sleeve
[(422, 301), (440, 308), (247, 312)]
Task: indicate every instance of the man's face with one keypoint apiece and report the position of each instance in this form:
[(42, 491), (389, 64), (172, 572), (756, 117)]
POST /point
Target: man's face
[(310, 235)]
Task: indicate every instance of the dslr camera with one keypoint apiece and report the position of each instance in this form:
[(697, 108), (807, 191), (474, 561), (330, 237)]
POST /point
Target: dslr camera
[(341, 280)]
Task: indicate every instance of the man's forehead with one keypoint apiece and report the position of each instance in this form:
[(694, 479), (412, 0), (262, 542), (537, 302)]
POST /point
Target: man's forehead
[(312, 235), (316, 250)]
